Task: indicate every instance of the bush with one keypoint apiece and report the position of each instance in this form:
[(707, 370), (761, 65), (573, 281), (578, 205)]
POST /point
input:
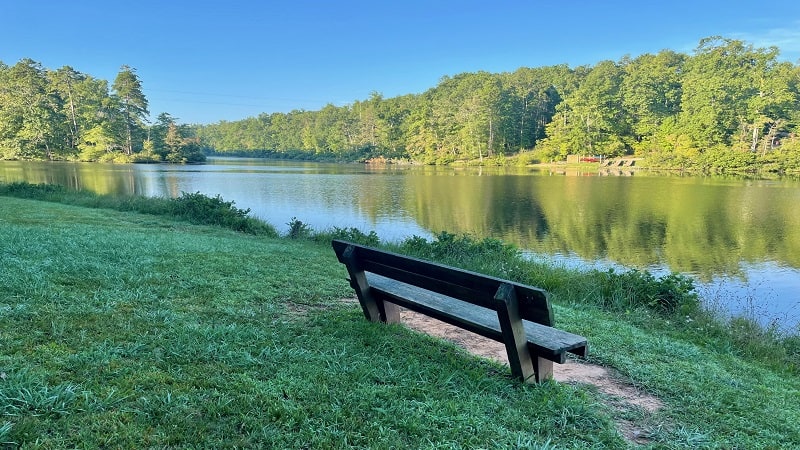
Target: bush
[(350, 235), (298, 229), (669, 294), (488, 255), (201, 209), (527, 158), (723, 159), (206, 209)]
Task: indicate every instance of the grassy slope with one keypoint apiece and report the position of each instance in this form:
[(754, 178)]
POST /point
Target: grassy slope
[(125, 330)]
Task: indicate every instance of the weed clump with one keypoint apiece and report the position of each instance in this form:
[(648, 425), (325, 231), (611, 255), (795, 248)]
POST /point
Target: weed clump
[(298, 229)]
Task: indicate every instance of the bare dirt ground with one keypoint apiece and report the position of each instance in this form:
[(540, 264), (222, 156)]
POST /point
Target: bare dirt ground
[(620, 394)]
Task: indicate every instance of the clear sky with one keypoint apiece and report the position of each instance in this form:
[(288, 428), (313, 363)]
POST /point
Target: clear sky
[(205, 61)]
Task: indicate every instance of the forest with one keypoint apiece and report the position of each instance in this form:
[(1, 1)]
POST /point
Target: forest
[(68, 115), (728, 106)]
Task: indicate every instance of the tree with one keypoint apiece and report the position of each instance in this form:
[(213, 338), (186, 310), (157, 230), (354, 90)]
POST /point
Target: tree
[(128, 91), (591, 118), (651, 93), (532, 101), (158, 134), (717, 87), (97, 143), (31, 121)]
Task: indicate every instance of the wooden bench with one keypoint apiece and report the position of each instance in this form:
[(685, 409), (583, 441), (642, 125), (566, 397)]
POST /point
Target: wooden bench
[(517, 315)]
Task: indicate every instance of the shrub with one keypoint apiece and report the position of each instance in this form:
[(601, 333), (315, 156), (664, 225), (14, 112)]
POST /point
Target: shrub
[(720, 158), (298, 229), (527, 158), (673, 293), (201, 209), (490, 256), (351, 235), (204, 209)]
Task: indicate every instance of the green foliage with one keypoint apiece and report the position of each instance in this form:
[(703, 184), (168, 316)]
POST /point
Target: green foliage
[(298, 229), (202, 209), (714, 110), (95, 143), (670, 294), (727, 107), (721, 159), (350, 235), (65, 114), (488, 255), (196, 208), (451, 247), (133, 112), (527, 158), (51, 192)]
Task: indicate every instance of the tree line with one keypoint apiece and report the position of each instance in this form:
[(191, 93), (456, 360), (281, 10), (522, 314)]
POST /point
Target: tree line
[(727, 106), (66, 114)]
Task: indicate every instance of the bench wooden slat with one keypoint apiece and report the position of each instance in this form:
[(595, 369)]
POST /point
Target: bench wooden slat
[(547, 342)]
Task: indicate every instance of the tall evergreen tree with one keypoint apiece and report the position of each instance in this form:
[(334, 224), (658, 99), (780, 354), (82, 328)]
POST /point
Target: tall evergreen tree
[(133, 104)]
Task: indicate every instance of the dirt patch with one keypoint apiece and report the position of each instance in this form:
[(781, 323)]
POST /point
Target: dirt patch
[(623, 395)]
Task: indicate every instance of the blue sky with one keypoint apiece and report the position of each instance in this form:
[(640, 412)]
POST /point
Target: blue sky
[(206, 61)]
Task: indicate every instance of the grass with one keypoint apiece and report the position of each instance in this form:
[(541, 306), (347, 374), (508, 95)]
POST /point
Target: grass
[(125, 330), (195, 207)]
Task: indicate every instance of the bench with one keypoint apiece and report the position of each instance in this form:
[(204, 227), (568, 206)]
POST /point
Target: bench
[(517, 315)]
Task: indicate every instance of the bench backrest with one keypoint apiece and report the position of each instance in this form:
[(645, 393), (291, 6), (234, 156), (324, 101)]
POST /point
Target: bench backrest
[(471, 287)]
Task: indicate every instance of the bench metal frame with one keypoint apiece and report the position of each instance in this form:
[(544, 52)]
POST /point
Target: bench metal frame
[(515, 314)]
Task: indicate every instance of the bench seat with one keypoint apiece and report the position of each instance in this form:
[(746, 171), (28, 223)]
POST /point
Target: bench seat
[(547, 342)]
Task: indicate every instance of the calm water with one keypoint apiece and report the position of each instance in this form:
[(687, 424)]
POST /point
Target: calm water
[(739, 238)]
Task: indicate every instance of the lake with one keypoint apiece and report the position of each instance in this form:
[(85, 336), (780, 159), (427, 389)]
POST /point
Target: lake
[(740, 238)]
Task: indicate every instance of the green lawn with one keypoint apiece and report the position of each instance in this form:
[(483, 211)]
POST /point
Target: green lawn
[(121, 330)]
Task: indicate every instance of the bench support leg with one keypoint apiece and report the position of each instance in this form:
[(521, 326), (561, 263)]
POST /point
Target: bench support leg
[(519, 358), (390, 313), (375, 309), (543, 369)]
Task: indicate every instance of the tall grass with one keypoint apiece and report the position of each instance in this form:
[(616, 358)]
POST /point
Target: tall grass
[(612, 290), (195, 208)]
